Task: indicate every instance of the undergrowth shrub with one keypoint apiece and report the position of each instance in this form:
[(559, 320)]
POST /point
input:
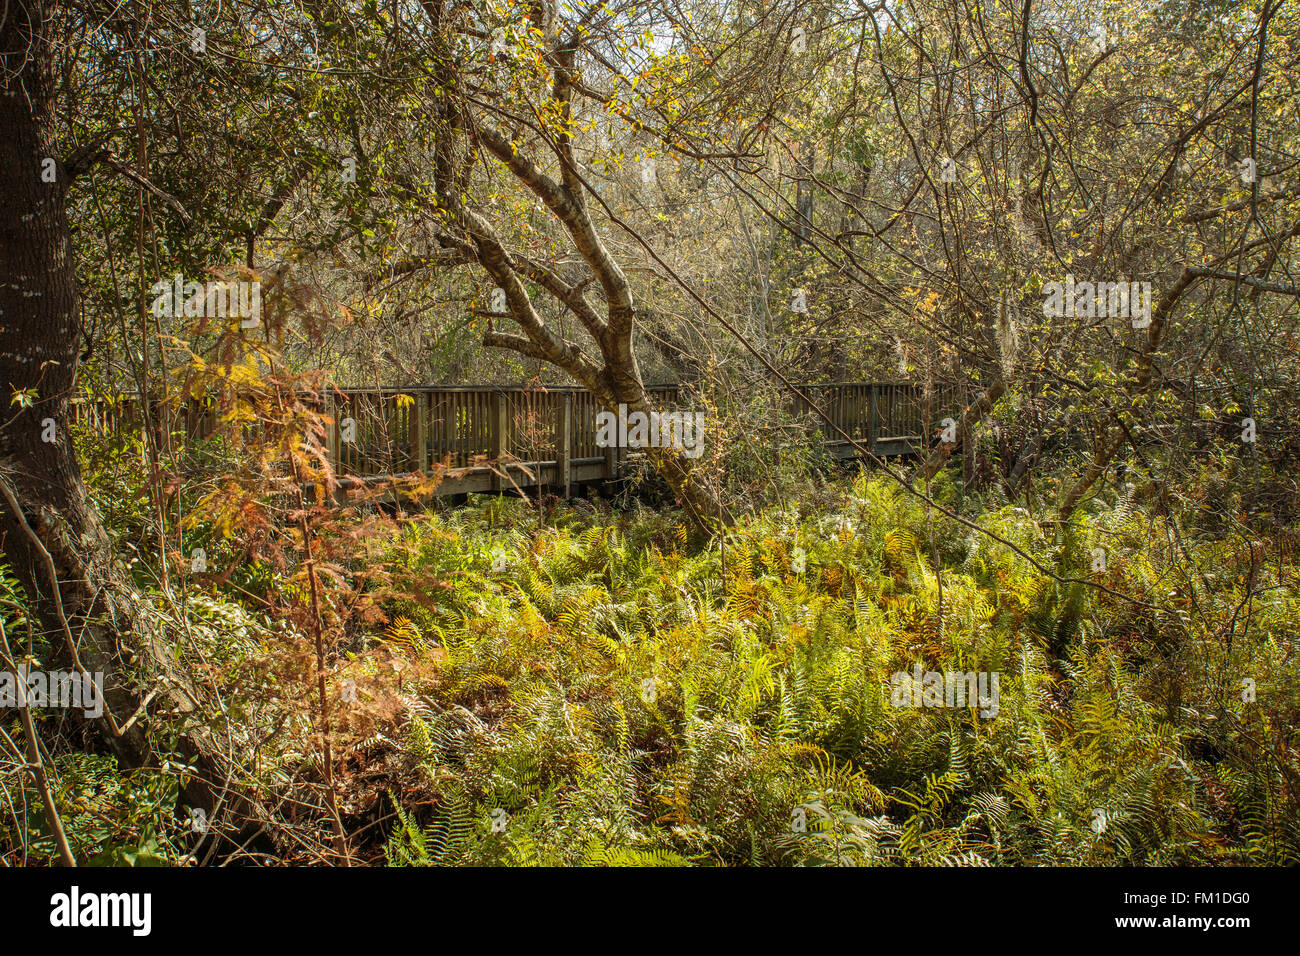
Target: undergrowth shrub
[(613, 682)]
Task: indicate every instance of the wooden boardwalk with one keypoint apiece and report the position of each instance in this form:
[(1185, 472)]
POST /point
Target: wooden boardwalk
[(495, 437)]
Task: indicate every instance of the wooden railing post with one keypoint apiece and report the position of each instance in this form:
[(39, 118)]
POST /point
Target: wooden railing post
[(871, 417), (332, 431), (420, 433), (563, 442), (498, 432), (343, 457), (611, 456)]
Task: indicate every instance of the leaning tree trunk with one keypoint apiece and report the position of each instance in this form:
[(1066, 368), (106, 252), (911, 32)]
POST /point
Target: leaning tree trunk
[(610, 372), (48, 527), (970, 417), (621, 384)]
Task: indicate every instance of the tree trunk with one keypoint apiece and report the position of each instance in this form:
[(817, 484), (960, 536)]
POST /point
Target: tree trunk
[(50, 533), (702, 504), (55, 523)]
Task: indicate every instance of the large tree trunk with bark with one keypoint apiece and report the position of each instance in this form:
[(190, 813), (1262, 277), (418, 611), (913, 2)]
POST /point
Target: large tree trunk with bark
[(92, 616), (51, 534)]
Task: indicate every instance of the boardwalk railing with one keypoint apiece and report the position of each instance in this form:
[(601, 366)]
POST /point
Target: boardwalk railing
[(882, 416), (493, 437)]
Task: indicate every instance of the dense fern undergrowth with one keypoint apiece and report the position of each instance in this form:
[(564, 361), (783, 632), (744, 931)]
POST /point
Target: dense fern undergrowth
[(603, 689)]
